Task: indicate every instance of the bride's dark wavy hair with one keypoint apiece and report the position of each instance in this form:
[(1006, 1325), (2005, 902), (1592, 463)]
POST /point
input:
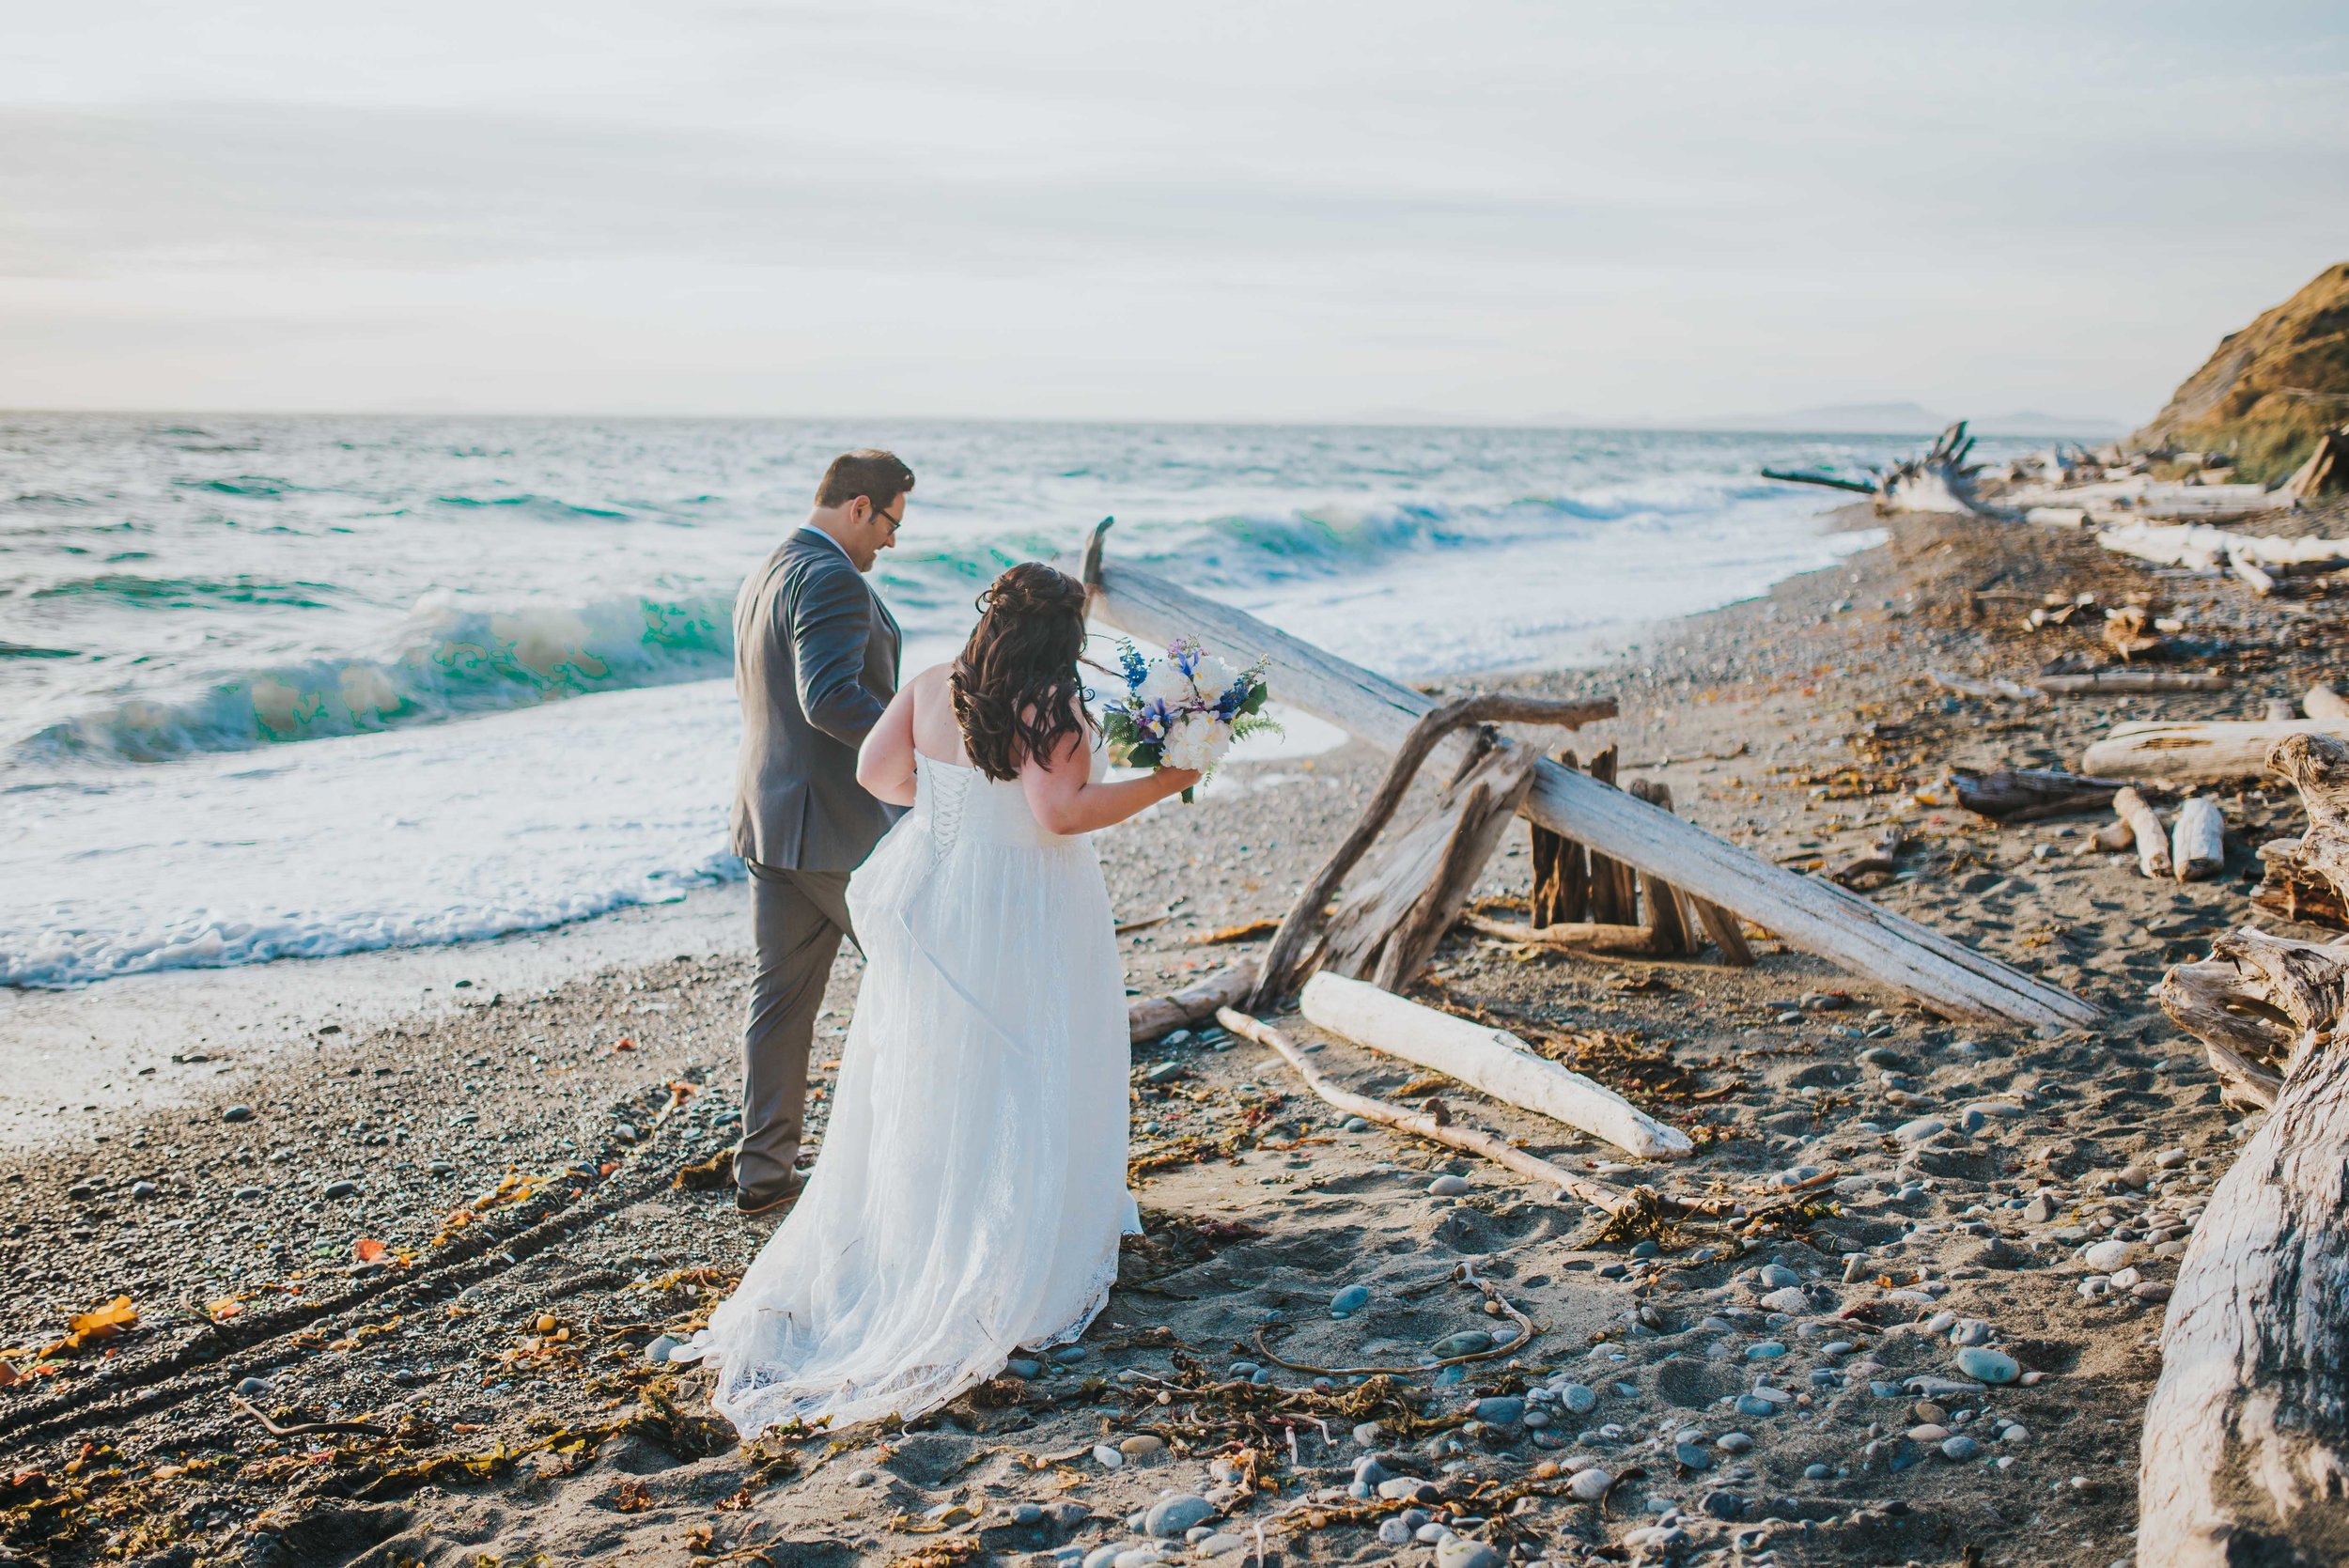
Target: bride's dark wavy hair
[(1016, 690)]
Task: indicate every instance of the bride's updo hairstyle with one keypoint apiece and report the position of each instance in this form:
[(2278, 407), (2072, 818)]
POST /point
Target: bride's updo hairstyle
[(1015, 686)]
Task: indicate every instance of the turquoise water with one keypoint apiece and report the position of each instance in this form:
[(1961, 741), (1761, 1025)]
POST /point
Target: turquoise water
[(296, 686)]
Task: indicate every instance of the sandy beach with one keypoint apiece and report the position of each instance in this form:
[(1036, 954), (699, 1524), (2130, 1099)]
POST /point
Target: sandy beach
[(402, 1232)]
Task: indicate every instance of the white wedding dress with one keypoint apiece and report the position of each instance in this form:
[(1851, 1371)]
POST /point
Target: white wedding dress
[(971, 1189)]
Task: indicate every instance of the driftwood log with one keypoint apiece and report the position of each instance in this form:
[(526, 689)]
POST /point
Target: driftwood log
[(2307, 879), (2118, 681), (1937, 480), (1393, 923), (1435, 1126), (1667, 916), (2153, 843), (1575, 936), (2325, 473), (2246, 1450), (1562, 870), (1806, 913), (1490, 1060), (2197, 842), (2198, 547), (2213, 752), (1149, 1017), (2028, 793), (1614, 897)]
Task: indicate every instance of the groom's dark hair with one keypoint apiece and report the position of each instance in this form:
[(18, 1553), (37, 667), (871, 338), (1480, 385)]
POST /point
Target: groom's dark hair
[(877, 475)]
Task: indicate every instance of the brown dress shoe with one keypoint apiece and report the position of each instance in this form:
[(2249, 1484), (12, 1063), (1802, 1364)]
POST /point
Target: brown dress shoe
[(748, 1202)]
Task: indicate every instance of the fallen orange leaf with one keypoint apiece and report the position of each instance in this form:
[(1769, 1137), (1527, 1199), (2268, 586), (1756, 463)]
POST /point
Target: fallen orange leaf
[(101, 1323), (624, 1043), (368, 1250), (8, 1375), (224, 1308)]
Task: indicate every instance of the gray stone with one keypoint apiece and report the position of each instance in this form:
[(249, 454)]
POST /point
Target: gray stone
[(1069, 1355), (1449, 1187), (1793, 1301), (1171, 1516), (1220, 1543), (1777, 1277), (1970, 1330), (1407, 1488), (237, 1113), (1462, 1552), (141, 1191), (1027, 1514), (658, 1352), (2039, 1210), (1591, 1485), (1817, 1472), (253, 1388), (344, 1189), (1692, 1457), (1578, 1398), (1986, 1365), (1020, 1366), (2105, 1256), (1353, 1298), (1752, 1405), (1723, 1505), (1505, 1411), (1468, 1342), (1101, 1557), (1920, 1130), (1393, 1531), (1767, 1350), (1734, 1442), (1356, 1123), (1959, 1446)]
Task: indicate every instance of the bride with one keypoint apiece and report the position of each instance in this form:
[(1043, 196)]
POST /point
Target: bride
[(972, 1187)]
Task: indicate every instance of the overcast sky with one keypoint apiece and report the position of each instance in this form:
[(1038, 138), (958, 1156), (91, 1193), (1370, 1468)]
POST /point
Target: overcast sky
[(1269, 210)]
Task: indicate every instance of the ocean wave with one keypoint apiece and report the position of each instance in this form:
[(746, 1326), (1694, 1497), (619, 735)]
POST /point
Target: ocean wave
[(537, 505), (64, 959), (179, 592), (452, 659)]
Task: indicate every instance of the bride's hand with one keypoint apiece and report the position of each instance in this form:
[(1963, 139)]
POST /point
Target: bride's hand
[(1173, 781)]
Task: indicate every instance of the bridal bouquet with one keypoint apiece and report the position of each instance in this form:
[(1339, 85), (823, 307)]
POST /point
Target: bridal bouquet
[(1183, 711)]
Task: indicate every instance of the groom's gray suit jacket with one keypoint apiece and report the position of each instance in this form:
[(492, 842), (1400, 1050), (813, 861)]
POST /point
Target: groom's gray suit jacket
[(814, 663)]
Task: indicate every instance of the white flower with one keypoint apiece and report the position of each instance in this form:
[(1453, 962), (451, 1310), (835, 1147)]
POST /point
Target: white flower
[(1166, 684), (1197, 742), (1213, 677)]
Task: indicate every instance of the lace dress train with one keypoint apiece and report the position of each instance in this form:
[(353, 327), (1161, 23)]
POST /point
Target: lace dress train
[(971, 1189)]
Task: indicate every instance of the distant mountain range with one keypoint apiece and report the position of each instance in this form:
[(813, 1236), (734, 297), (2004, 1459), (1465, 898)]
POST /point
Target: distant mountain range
[(1836, 419), (1904, 419)]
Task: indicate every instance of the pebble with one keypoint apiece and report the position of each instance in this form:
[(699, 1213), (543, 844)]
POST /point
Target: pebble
[(1173, 1515), (2105, 1256), (1972, 1330), (658, 1352), (1920, 1130), (1369, 1434), (1988, 1366), (237, 1113), (1578, 1398), (1143, 1450), (1069, 1355), (250, 1194), (1723, 1505), (1792, 1301), (1220, 1543), (1734, 1442), (1504, 1411), (253, 1388), (1776, 1277), (1140, 1557), (144, 1190), (1460, 1552), (1101, 1557), (1591, 1485), (2039, 1210), (862, 1478), (1107, 1457), (1692, 1457), (1449, 1186), (2150, 1290), (1930, 1432), (1768, 1350), (1407, 1488), (344, 1189), (1817, 1472), (1019, 1366), (1752, 1405), (1393, 1531), (441, 1168), (1960, 1447), (623, 1132), (1468, 1342), (1353, 1298)]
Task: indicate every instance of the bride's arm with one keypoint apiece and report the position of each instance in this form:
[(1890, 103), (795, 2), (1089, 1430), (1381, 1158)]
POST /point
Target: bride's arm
[(884, 763), (1061, 793)]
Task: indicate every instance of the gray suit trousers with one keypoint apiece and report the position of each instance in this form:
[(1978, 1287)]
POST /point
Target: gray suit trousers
[(798, 918)]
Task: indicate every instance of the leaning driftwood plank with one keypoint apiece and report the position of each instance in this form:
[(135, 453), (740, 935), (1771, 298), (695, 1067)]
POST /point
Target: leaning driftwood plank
[(1475, 1140), (2210, 752), (1809, 914), (1147, 1017), (1614, 896), (1491, 1059), (1723, 928), (1666, 914), (1582, 936), (2131, 680), (2153, 843), (2198, 843), (2246, 1434)]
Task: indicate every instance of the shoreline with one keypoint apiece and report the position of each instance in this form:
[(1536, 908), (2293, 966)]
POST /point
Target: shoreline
[(1960, 1171)]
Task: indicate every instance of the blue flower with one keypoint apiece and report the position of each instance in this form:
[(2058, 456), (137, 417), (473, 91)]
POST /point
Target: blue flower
[(1137, 669)]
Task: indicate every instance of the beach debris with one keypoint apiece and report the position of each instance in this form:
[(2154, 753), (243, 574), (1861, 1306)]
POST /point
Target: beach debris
[(2122, 682), (1149, 1018), (1940, 479), (2307, 878), (2206, 751), (2153, 841), (2258, 559), (2197, 842), (1390, 921), (1806, 913), (1421, 1125), (1880, 859), (1491, 1059), (2248, 1414)]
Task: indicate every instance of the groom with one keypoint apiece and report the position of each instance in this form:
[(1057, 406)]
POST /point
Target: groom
[(814, 663)]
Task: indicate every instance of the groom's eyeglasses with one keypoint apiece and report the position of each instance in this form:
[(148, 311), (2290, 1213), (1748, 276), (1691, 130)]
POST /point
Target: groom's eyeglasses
[(892, 521)]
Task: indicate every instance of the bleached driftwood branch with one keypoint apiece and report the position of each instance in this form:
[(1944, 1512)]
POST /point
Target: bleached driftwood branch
[(1149, 1018), (1490, 1060), (2210, 752)]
